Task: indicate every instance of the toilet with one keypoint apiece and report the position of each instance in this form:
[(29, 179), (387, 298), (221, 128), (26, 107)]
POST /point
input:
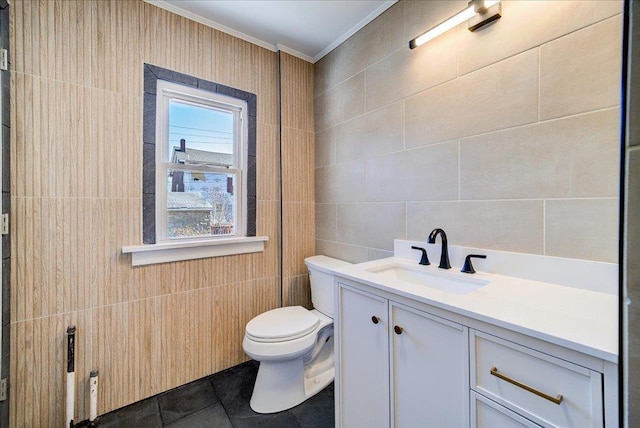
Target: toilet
[(294, 345)]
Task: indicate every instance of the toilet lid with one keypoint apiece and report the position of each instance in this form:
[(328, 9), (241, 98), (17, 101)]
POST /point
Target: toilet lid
[(282, 324)]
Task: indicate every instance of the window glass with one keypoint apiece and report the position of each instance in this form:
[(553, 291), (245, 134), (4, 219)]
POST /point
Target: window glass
[(200, 204), (200, 135), (202, 164)]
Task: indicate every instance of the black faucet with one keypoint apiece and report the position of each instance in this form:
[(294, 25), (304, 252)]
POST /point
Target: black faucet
[(444, 254), (424, 260), (468, 266)]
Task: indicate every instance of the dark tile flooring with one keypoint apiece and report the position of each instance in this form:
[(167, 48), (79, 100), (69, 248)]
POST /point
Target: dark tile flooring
[(219, 400)]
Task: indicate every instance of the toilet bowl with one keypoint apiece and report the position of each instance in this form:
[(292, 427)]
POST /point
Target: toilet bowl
[(294, 345)]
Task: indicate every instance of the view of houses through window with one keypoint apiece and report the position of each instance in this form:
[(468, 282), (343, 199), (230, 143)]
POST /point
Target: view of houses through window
[(202, 173)]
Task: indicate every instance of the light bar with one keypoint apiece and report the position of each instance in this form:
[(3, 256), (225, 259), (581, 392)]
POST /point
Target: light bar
[(475, 7)]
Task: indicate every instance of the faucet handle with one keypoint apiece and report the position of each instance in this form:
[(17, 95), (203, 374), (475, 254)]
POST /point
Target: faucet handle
[(468, 267), (424, 260)]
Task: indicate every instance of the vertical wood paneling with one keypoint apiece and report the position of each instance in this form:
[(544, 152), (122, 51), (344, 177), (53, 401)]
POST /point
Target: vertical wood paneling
[(297, 90), (297, 291), (297, 160), (40, 346), (298, 237), (76, 154), (297, 145), (265, 70), (268, 185)]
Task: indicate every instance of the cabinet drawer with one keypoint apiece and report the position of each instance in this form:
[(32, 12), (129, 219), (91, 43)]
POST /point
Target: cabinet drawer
[(547, 390), (487, 414)]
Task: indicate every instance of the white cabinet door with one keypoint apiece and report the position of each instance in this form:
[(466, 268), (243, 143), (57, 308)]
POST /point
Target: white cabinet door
[(429, 370), (364, 360)]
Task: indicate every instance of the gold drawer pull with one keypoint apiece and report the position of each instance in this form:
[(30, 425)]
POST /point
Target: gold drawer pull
[(557, 400)]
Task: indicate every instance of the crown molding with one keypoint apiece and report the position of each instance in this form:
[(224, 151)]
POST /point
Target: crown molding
[(277, 47)]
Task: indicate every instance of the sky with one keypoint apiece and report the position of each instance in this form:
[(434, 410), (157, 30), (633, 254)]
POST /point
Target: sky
[(203, 128)]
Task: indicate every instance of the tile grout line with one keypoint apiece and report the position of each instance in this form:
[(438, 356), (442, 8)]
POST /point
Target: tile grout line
[(544, 227)]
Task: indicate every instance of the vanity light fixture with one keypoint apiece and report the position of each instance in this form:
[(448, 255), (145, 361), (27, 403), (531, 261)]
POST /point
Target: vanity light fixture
[(479, 13)]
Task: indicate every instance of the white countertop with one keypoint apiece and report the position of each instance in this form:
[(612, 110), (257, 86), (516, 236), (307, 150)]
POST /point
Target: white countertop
[(582, 320)]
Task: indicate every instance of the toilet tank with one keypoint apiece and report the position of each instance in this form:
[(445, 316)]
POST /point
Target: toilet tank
[(321, 278)]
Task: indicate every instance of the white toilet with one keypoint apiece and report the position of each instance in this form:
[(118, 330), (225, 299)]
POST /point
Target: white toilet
[(294, 345)]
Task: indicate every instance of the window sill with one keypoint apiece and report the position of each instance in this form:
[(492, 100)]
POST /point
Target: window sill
[(177, 251)]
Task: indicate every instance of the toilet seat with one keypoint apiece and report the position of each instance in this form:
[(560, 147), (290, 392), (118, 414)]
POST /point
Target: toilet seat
[(282, 324), (282, 350)]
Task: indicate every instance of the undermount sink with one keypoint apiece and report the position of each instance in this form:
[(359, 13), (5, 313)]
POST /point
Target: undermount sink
[(449, 282)]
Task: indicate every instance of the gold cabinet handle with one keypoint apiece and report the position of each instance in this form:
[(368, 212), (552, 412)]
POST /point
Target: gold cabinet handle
[(557, 400)]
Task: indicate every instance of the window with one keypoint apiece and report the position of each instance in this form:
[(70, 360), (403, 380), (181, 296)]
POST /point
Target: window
[(201, 159), (199, 170)]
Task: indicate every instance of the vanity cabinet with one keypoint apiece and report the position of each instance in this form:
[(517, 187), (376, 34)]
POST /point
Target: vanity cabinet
[(544, 389), (486, 413), (364, 360), (399, 366), (403, 363)]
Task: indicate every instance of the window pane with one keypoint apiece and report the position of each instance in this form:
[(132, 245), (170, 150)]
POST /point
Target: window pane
[(200, 204), (200, 135)]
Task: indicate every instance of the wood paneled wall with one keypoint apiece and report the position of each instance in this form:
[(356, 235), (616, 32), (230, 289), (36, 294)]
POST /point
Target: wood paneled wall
[(76, 139), (298, 195)]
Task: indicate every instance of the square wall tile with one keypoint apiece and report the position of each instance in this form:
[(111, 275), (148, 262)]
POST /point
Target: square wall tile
[(582, 229), (577, 156), (581, 71)]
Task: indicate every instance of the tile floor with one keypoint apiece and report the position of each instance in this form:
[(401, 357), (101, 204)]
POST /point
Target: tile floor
[(219, 400)]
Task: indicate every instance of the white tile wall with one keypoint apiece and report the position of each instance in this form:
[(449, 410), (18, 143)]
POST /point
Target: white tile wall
[(381, 131), (513, 225), (550, 159), (582, 71), (427, 174), (507, 137), (499, 96), (582, 229)]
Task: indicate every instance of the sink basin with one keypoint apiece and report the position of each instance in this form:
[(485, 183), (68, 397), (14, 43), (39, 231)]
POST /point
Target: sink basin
[(451, 282)]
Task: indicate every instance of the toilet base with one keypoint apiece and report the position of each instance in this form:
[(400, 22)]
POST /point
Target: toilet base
[(281, 385), (278, 386)]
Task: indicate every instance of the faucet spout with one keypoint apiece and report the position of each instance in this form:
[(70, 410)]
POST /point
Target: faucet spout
[(444, 254)]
